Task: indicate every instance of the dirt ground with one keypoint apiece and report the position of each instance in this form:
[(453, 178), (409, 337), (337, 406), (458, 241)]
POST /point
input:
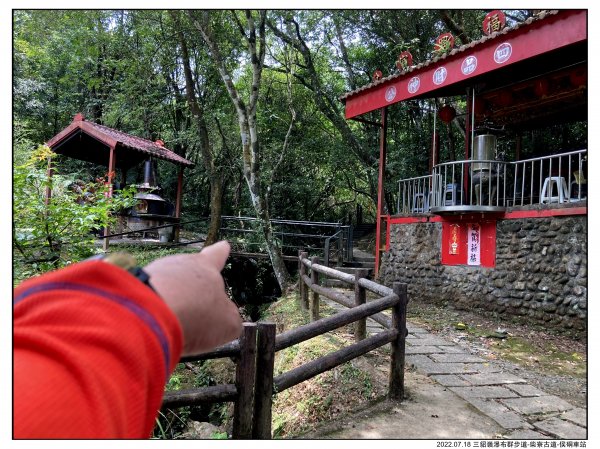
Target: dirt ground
[(429, 411)]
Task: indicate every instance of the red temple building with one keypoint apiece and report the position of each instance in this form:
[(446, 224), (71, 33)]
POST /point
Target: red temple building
[(509, 236)]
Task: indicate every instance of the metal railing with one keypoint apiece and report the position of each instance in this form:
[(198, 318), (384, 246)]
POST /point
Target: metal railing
[(331, 241), (493, 186), (476, 184), (254, 352), (537, 180), (413, 195)]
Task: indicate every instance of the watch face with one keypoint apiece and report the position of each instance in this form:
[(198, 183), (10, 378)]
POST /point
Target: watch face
[(121, 259)]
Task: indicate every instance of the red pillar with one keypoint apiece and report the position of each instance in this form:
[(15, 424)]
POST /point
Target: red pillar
[(380, 188), (178, 201), (110, 176)]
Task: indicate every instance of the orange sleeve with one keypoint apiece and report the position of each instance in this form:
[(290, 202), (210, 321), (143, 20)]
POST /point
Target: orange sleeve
[(92, 349)]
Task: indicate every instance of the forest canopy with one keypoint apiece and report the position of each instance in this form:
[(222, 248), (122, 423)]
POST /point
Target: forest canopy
[(252, 97)]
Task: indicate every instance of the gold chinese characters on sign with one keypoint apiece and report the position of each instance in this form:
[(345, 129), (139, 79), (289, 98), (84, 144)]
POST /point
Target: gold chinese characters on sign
[(454, 238), (494, 21)]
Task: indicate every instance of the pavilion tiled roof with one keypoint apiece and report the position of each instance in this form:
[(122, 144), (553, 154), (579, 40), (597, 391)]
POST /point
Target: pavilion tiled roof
[(113, 137), (496, 35)]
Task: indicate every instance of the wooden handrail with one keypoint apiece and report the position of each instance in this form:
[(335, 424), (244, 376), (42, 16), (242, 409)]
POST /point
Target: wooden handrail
[(325, 363), (254, 352), (310, 330), (216, 393)]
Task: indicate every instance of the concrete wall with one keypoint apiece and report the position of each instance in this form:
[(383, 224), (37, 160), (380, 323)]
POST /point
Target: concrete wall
[(540, 273)]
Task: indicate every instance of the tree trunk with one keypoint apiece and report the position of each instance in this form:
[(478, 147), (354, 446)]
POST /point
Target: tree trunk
[(216, 203), (247, 121), (215, 172)]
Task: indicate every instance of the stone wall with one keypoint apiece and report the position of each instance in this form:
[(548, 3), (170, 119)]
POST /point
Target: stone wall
[(540, 273)]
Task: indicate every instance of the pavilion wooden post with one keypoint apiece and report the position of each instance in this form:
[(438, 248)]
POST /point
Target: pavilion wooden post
[(178, 201), (110, 176), (380, 186)]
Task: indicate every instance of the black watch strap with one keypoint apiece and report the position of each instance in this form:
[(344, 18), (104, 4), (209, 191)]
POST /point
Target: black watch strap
[(127, 262)]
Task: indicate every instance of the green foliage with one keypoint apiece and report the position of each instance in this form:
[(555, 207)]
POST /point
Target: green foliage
[(52, 234), (123, 68), (170, 423), (219, 436)]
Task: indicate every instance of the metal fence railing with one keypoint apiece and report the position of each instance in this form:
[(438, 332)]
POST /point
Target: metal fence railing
[(331, 241), (496, 185)]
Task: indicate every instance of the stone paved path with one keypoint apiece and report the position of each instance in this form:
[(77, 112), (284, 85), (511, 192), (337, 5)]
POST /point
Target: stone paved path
[(524, 411)]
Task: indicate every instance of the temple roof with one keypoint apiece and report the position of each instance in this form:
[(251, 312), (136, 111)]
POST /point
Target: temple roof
[(548, 42), (91, 142)]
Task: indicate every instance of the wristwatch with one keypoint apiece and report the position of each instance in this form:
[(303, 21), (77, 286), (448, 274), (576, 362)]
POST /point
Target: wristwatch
[(127, 262)]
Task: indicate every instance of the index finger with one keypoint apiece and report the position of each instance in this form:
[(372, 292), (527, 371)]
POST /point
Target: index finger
[(216, 254)]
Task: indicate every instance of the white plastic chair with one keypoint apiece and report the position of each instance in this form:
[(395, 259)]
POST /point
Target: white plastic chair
[(548, 190)]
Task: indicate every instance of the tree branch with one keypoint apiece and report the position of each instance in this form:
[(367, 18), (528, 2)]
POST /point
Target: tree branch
[(458, 31)]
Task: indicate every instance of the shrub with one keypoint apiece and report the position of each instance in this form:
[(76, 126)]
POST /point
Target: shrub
[(48, 235)]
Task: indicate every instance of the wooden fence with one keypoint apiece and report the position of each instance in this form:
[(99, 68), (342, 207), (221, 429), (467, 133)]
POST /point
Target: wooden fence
[(254, 352)]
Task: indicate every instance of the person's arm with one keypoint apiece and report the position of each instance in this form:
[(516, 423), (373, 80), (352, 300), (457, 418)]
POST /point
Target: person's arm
[(93, 346)]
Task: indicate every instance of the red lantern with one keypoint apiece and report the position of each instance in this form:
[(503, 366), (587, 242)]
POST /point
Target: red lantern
[(377, 75), (541, 87), (578, 77), (505, 98), (447, 113)]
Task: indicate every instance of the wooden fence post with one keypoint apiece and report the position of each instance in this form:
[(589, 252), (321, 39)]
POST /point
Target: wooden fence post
[(396, 381), (244, 382), (301, 286), (263, 396), (304, 291), (360, 297), (314, 303)]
